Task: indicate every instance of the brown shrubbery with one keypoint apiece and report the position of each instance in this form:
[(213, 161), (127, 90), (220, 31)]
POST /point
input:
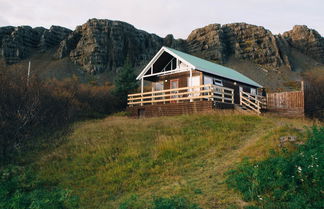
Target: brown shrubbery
[(314, 93), (27, 109)]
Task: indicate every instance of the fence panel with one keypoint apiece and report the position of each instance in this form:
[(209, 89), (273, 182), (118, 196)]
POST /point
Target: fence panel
[(286, 103)]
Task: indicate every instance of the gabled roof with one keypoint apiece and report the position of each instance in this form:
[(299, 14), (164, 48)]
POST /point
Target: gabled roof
[(204, 66), (213, 68)]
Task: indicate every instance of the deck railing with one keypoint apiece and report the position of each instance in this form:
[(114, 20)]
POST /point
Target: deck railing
[(253, 102), (185, 94)]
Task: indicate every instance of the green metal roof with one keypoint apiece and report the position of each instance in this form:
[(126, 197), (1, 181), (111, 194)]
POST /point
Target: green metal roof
[(213, 68)]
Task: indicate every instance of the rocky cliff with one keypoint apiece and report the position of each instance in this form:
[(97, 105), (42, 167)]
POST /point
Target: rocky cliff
[(104, 45), (308, 41), (101, 45), (244, 41), (18, 43)]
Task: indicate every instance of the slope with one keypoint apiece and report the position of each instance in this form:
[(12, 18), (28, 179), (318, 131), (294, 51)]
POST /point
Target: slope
[(106, 161)]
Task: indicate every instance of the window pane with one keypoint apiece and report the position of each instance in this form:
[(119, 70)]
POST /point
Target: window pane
[(158, 86), (218, 82)]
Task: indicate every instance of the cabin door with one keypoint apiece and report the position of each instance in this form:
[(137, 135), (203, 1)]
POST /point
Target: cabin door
[(174, 84), (195, 82)]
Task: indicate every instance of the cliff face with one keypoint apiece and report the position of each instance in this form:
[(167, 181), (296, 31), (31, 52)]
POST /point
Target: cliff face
[(18, 43), (308, 41), (101, 45), (208, 42), (104, 45), (244, 41)]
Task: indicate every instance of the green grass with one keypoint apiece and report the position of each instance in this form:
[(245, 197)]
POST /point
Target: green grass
[(285, 179), (105, 162)]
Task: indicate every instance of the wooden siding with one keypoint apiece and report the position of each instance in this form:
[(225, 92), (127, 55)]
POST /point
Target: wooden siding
[(286, 103), (230, 84), (170, 109), (183, 79)]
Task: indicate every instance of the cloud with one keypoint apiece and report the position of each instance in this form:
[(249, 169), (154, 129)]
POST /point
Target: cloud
[(165, 16)]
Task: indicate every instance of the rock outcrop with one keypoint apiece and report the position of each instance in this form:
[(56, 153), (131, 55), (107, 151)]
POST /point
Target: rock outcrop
[(17, 43), (254, 43), (308, 41), (208, 42), (244, 41), (103, 45)]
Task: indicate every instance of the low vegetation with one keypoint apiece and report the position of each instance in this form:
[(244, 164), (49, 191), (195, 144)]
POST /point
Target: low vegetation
[(314, 91), (285, 179), (180, 161), (31, 107), (20, 188), (51, 157)]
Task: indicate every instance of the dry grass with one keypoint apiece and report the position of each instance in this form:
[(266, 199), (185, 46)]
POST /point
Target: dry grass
[(106, 161)]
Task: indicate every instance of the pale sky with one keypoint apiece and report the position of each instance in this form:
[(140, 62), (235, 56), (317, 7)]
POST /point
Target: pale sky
[(162, 17)]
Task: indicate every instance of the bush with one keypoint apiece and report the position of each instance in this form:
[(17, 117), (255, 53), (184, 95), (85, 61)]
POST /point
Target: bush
[(19, 188), (28, 110), (285, 180), (134, 202), (314, 91), (125, 84)]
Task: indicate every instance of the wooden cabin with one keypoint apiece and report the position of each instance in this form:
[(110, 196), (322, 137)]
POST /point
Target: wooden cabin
[(181, 83)]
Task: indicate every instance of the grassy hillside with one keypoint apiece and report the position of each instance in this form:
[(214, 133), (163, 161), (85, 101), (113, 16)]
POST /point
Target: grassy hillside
[(107, 161)]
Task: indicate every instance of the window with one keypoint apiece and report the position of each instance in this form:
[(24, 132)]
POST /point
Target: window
[(208, 79), (253, 91), (158, 86), (217, 82)]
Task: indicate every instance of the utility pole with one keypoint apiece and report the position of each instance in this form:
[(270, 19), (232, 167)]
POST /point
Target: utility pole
[(28, 73)]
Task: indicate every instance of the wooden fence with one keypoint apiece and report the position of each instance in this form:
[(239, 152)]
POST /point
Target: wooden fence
[(286, 103)]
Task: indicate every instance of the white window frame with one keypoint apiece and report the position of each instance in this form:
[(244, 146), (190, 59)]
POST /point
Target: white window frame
[(253, 91), (159, 82), (240, 88), (217, 82)]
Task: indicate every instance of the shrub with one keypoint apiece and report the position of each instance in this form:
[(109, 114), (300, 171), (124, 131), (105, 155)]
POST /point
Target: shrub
[(28, 110), (285, 180), (314, 91), (134, 202), (125, 83), (19, 188)]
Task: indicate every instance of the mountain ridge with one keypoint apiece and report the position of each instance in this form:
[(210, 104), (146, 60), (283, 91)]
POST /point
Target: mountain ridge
[(102, 46)]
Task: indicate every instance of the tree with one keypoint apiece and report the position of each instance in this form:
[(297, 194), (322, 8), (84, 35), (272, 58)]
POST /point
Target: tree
[(125, 84)]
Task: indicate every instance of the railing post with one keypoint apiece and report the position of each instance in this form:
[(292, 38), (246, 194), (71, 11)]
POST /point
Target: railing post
[(152, 97), (211, 92), (164, 98), (141, 99), (223, 95), (240, 98), (142, 90)]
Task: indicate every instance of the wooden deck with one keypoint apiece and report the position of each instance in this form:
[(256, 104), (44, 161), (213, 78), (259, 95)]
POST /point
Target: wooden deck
[(178, 101), (207, 92), (170, 109)]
